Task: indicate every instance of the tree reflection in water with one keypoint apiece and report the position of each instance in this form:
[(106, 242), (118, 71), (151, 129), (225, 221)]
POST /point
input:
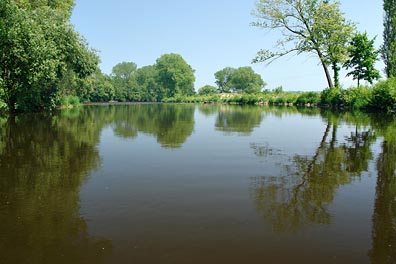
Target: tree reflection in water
[(44, 159), (384, 218), (301, 198)]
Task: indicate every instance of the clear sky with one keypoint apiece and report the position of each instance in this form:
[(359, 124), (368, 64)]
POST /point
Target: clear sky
[(209, 34)]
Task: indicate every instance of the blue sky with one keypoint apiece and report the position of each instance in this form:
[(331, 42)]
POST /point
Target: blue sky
[(209, 34)]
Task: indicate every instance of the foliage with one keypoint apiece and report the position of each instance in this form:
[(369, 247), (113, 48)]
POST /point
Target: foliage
[(362, 58), (175, 76), (312, 98), (357, 98), (240, 80), (208, 89), (388, 50), (146, 79), (331, 96), (384, 95), (124, 82), (69, 101), (307, 26), (224, 79), (37, 49)]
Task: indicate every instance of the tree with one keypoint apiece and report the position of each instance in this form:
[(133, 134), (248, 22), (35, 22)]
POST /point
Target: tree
[(208, 89), (123, 81), (388, 50), (223, 79), (245, 80), (362, 59), (175, 75), (37, 49), (307, 26), (146, 80), (241, 80)]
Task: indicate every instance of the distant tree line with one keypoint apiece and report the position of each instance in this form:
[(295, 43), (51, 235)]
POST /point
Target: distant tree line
[(169, 77)]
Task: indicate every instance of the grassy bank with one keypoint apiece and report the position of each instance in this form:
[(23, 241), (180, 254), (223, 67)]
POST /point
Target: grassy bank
[(381, 96)]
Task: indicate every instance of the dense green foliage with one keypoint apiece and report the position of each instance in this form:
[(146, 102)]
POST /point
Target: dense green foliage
[(175, 76), (208, 89), (39, 49), (388, 51), (362, 57), (240, 80), (308, 26)]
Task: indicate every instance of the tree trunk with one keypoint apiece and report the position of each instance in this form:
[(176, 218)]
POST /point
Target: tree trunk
[(326, 70), (328, 77), (336, 70)]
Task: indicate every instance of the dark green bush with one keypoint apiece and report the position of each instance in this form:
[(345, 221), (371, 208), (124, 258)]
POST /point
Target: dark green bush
[(384, 95), (331, 96)]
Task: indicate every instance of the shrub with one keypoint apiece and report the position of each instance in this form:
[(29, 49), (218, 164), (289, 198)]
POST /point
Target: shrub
[(308, 98), (69, 101), (357, 98), (384, 95), (331, 96)]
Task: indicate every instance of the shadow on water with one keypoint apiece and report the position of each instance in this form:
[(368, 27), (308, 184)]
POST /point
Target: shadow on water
[(44, 160)]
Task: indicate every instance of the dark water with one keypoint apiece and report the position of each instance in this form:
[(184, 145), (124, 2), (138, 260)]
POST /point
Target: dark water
[(197, 184)]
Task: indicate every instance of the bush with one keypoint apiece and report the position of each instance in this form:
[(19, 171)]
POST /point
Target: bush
[(69, 101), (308, 98), (384, 95), (357, 98), (331, 96)]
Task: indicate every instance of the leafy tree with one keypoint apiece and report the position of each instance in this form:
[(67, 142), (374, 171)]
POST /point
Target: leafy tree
[(63, 6), (388, 50), (123, 80), (223, 79), (207, 89), (308, 26), (175, 75), (362, 59), (241, 80), (245, 80), (37, 50), (147, 83)]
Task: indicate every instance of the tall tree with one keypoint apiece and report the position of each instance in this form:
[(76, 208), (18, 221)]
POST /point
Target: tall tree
[(223, 79), (37, 49), (362, 59), (388, 50), (175, 75), (240, 80), (124, 83), (307, 26)]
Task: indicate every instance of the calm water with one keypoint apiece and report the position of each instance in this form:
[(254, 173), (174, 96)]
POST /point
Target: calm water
[(197, 184)]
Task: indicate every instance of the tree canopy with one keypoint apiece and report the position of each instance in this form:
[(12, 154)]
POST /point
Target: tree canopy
[(388, 50), (362, 58), (175, 76), (307, 26), (37, 49), (240, 80)]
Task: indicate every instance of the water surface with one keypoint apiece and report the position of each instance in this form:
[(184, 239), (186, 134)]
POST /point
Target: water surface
[(197, 184)]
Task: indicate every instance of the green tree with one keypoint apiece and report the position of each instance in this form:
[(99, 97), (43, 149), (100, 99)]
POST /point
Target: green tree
[(37, 50), (362, 59), (147, 83), (207, 89), (175, 75), (388, 50), (245, 80), (223, 79), (123, 81), (307, 26), (240, 80)]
